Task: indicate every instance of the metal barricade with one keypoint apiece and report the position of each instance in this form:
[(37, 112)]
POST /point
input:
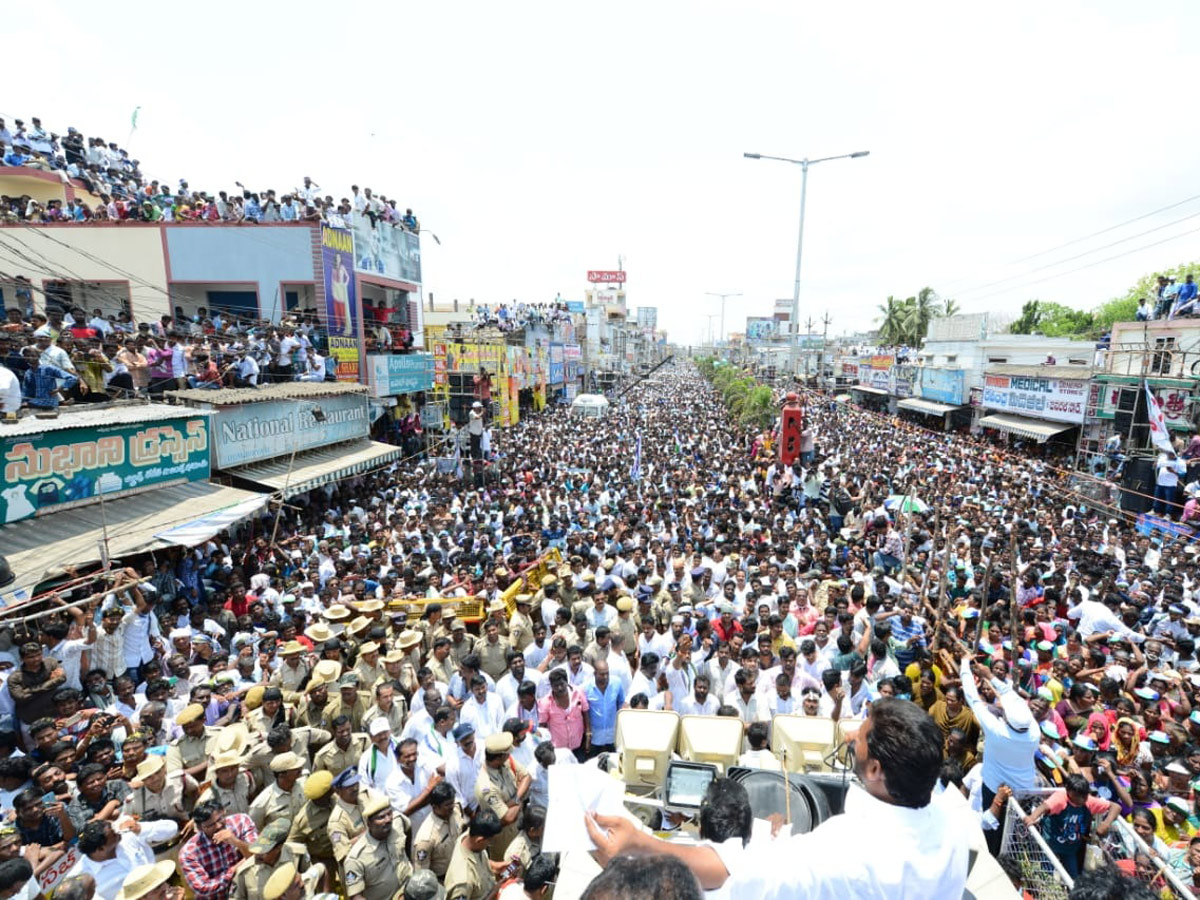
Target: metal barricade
[(1123, 843), (1042, 875)]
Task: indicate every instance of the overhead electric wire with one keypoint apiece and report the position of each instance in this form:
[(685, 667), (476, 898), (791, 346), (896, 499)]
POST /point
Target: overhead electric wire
[(1068, 259), (1109, 228), (945, 285), (1090, 265)]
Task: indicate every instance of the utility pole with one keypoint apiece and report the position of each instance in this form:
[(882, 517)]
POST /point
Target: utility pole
[(723, 297), (808, 324), (825, 320)]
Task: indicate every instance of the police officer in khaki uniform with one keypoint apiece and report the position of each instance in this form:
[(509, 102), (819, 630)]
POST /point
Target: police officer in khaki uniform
[(438, 835), (155, 795), (346, 821), (283, 799), (462, 644), (493, 650), (368, 668), (387, 706), (441, 663), (408, 645), (431, 626), (501, 787), (376, 867), (520, 626), (311, 825), (292, 673), (471, 876), (189, 753), (528, 842), (625, 623), (270, 850), (350, 701), (344, 751), (228, 783), (284, 884)]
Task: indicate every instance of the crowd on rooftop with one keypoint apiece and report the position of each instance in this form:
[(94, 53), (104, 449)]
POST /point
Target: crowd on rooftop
[(121, 192), (517, 314), (71, 357)]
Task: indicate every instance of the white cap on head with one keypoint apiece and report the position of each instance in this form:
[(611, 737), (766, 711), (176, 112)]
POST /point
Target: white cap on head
[(1016, 711)]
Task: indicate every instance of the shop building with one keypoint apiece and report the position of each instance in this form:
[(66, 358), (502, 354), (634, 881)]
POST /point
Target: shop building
[(93, 486)]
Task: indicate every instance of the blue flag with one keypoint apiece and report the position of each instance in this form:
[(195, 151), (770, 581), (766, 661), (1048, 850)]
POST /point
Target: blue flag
[(635, 473)]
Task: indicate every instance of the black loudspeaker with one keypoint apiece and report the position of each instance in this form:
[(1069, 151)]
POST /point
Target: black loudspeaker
[(1137, 487), (1131, 418), (460, 409)]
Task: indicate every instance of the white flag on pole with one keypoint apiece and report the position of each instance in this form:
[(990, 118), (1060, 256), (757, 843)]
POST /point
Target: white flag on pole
[(1158, 423)]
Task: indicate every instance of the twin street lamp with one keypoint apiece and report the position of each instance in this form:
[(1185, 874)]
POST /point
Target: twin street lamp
[(803, 164)]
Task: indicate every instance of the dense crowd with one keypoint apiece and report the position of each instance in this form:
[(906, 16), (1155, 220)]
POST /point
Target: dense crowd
[(516, 315), (107, 172), (256, 707), (54, 358)]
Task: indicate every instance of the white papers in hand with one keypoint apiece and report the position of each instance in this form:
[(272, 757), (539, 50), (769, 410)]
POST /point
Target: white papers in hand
[(574, 791)]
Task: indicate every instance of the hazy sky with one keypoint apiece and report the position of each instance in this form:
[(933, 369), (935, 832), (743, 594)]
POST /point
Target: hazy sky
[(540, 140)]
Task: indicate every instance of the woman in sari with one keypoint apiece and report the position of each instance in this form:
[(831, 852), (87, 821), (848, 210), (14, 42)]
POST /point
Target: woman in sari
[(950, 712), (1127, 743)]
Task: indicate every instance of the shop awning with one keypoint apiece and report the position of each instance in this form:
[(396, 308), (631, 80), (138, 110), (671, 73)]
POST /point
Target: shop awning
[(314, 468), (868, 390), (927, 407), (184, 514), (1035, 429)]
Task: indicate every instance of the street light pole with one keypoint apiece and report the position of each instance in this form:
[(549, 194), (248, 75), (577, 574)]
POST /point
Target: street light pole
[(721, 336), (803, 164)]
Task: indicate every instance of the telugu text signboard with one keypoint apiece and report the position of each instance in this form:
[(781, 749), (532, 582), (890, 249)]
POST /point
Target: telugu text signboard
[(390, 374), (904, 380), (253, 432), (1054, 399), (70, 467), (596, 276), (341, 302), (875, 371), (942, 385)]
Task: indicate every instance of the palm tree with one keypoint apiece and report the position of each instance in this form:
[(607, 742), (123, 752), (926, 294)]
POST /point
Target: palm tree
[(922, 308), (892, 321), (950, 307)]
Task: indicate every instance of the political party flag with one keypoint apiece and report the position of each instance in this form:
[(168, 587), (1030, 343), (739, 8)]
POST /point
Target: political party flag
[(1158, 422), (133, 120), (635, 472)]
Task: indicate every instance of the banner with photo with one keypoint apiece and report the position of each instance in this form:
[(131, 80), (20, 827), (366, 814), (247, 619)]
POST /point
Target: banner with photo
[(386, 250), (341, 301)]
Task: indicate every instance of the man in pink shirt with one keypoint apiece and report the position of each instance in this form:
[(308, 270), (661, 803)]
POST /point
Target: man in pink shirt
[(564, 713)]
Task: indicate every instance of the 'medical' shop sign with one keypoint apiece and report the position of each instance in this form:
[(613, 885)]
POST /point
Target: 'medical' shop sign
[(1056, 399), (253, 432)]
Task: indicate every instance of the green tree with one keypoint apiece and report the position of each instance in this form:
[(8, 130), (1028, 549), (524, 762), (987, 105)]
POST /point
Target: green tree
[(1053, 320), (1028, 321), (919, 312), (950, 307), (758, 410), (1119, 309), (892, 317), (1058, 320)]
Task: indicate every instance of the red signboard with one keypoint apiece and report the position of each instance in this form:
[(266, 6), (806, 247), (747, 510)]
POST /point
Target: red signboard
[(607, 277)]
